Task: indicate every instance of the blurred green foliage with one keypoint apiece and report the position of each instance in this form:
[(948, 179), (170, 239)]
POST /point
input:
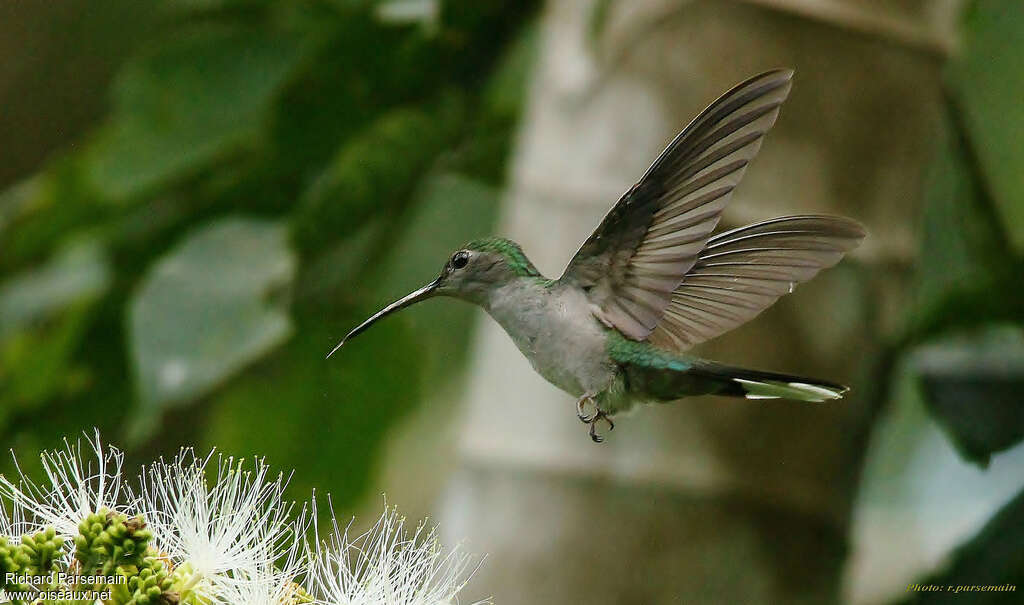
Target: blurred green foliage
[(228, 313), (198, 95), (965, 332), (969, 269), (365, 171), (987, 88), (268, 172)]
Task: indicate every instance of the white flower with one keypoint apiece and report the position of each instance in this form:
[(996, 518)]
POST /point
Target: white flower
[(268, 584), (229, 535), (386, 566), (221, 533), (75, 488), (258, 591), (14, 522)]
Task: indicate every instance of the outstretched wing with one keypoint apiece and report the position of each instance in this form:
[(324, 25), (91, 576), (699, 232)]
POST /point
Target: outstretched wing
[(742, 272), (640, 252)]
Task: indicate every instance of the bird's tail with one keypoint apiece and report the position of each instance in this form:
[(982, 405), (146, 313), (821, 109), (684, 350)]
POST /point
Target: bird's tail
[(754, 384)]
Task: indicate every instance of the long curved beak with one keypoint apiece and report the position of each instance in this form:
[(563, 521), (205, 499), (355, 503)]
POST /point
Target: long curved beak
[(410, 299)]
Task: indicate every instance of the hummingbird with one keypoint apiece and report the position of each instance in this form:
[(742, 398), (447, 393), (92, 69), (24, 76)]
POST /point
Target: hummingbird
[(653, 279)]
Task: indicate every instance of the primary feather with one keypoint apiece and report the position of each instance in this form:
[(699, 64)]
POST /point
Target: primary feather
[(641, 251), (742, 272)]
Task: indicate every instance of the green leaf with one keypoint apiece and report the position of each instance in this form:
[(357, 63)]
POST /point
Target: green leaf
[(37, 214), (361, 70), (972, 385), (207, 309), (965, 270), (425, 13), (18, 200), (374, 173), (43, 316), (987, 84), (78, 272), (194, 98)]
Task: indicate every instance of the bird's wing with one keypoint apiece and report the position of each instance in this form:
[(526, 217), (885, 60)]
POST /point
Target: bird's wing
[(640, 252), (742, 272)]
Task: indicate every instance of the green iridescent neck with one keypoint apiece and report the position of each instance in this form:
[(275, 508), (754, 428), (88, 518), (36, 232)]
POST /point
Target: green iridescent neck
[(513, 253)]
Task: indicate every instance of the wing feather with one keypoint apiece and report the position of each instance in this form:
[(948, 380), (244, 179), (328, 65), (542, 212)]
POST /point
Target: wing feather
[(643, 248), (742, 272)]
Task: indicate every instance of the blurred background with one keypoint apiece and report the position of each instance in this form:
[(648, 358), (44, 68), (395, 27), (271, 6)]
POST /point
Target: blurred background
[(200, 197)]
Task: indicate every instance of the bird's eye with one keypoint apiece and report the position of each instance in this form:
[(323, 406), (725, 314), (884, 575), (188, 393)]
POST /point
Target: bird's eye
[(460, 259)]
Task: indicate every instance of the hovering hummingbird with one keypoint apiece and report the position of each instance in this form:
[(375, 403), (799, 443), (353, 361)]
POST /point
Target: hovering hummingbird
[(652, 280)]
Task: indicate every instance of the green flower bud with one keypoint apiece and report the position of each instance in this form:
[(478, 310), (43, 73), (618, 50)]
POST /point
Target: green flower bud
[(149, 585), (40, 552), (108, 540)]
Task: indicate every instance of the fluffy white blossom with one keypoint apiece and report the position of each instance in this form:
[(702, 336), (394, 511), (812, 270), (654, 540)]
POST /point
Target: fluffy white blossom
[(223, 531), (228, 534), (388, 565), (259, 591), (14, 522), (269, 583), (77, 484)]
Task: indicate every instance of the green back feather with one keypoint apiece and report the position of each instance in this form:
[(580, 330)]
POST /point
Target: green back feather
[(643, 354)]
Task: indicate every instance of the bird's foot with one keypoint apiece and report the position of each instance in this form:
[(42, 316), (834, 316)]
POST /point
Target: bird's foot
[(600, 415), (581, 405)]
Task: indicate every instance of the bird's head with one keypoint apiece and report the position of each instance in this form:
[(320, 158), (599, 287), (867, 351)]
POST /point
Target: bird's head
[(471, 273)]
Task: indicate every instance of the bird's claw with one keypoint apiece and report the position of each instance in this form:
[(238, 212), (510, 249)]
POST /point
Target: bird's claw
[(592, 419), (581, 414), (600, 415)]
